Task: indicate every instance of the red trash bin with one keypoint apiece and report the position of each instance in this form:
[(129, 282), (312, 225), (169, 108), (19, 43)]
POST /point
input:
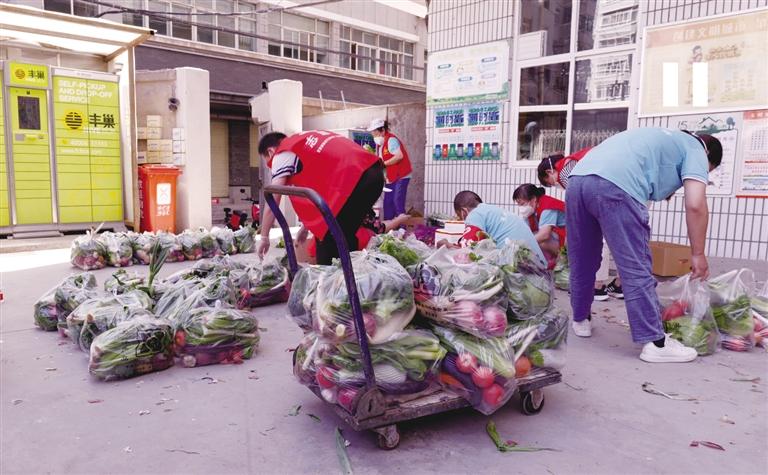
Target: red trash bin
[(157, 197)]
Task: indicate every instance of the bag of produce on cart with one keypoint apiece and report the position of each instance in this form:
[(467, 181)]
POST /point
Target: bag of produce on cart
[(119, 249), (226, 239), (302, 298), (408, 250), (141, 244), (245, 239), (215, 335), (123, 281), (539, 342), (385, 291), (96, 315), (191, 246), (261, 284), (527, 282), (172, 243), (209, 244), (562, 270), (481, 370), (731, 307), (687, 315), (88, 252), (70, 293), (469, 296), (132, 348)]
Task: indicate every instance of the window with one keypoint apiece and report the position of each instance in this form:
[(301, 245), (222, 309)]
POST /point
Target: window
[(157, 23), (61, 6), (374, 53), (563, 113), (182, 26), (298, 37)]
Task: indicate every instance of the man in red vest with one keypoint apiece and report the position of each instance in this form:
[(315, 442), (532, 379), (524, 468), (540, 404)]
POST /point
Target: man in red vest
[(347, 177), (392, 151)]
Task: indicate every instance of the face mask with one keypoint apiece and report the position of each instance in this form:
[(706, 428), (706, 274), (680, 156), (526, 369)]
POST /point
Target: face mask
[(379, 140), (526, 211)]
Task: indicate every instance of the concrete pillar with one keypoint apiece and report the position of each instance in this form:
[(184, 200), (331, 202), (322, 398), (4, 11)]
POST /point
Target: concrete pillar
[(193, 193)]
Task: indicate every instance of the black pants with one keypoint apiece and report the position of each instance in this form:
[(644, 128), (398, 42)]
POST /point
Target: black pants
[(362, 199)]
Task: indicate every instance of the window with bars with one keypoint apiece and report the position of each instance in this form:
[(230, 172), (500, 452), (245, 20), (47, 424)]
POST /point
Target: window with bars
[(369, 52), (298, 37)]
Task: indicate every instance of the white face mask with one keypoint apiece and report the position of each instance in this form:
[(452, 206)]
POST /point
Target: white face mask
[(379, 140), (526, 211)]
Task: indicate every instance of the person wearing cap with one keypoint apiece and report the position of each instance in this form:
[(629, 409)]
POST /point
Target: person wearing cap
[(398, 167), (606, 196), (348, 178)]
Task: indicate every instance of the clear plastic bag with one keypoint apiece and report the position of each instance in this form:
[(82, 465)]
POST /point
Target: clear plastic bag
[(539, 342), (481, 370), (132, 348), (191, 245), (527, 282), (123, 281), (217, 335), (88, 252), (226, 239), (142, 246), (760, 315), (562, 270), (209, 244), (386, 296), (96, 315), (261, 284), (468, 296), (302, 298), (46, 313), (687, 315), (245, 239), (173, 300), (119, 249), (731, 307), (405, 248), (70, 293), (171, 242), (406, 363)]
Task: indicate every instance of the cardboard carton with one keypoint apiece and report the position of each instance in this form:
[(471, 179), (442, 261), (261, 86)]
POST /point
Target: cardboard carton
[(670, 260), (154, 121)]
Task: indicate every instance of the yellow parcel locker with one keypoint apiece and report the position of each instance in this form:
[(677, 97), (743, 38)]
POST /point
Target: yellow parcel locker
[(74, 197), (5, 212), (75, 214)]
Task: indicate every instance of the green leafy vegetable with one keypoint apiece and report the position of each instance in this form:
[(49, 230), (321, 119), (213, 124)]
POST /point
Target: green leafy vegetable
[(502, 446)]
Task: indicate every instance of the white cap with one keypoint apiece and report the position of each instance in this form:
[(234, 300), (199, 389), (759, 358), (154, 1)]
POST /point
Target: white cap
[(376, 124)]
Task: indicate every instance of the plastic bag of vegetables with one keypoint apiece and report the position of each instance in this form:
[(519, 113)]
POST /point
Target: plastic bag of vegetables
[(405, 248), (687, 315), (217, 335), (562, 270), (226, 239), (481, 370), (119, 249), (245, 239), (172, 243), (173, 300), (468, 296), (132, 348), (123, 281), (386, 297), (96, 315), (539, 342), (759, 303), (70, 293), (46, 314), (142, 243), (88, 252), (527, 282), (406, 363), (731, 307), (302, 298), (209, 244), (191, 246), (261, 284)]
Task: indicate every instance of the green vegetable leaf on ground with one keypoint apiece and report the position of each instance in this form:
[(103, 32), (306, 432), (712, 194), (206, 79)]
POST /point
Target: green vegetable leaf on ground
[(314, 418), (341, 451), (295, 411), (509, 446)]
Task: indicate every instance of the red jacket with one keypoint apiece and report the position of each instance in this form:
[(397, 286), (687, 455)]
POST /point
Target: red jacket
[(576, 156), (548, 203), (400, 169), (331, 165)]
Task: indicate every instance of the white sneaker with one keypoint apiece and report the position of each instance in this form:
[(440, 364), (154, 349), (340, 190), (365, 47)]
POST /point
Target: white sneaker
[(582, 328), (672, 352)]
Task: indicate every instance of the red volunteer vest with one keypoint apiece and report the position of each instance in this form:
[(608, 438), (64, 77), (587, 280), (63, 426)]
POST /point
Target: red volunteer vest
[(400, 169), (545, 203), (331, 165), (576, 156), (364, 236)]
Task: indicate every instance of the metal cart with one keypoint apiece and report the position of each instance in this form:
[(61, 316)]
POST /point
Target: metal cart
[(373, 409)]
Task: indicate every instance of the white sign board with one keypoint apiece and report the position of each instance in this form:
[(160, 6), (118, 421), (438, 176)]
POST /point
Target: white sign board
[(471, 74)]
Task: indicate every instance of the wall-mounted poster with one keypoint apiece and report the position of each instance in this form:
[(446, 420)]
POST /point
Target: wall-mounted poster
[(468, 132), (471, 74), (727, 128), (754, 154), (716, 64)]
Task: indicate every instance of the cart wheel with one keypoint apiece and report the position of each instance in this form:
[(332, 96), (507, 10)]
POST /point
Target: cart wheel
[(389, 437), (532, 402)]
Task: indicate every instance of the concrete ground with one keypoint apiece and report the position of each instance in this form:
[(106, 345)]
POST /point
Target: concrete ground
[(235, 419)]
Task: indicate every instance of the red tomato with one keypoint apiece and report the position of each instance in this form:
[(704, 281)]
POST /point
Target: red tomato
[(522, 366), (324, 377), (346, 396), (493, 395), (483, 377), (181, 338), (466, 363), (674, 310)]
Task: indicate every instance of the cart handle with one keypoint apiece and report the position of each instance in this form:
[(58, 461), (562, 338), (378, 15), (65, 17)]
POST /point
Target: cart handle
[(346, 261)]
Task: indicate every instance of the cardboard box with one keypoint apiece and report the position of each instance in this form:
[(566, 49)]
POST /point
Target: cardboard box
[(179, 146), (179, 134), (141, 133), (411, 223), (141, 157), (153, 157), (154, 121), (670, 260), (154, 133), (155, 145), (166, 156)]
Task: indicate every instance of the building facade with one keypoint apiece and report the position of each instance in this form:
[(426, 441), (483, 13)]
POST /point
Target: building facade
[(574, 72)]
